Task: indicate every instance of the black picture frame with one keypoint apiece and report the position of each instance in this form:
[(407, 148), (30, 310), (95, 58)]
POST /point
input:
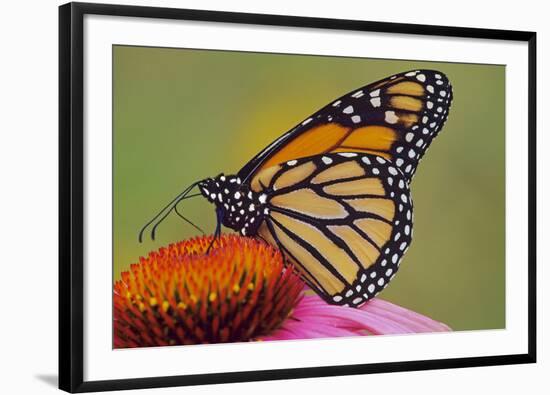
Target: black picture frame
[(71, 204)]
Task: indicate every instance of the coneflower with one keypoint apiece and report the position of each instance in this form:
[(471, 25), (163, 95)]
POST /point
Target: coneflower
[(239, 291)]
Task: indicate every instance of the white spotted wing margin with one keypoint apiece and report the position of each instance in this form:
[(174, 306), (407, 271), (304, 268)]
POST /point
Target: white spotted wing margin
[(343, 220), (397, 118)]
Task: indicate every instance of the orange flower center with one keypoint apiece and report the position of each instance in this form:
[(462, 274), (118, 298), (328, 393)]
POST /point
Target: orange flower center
[(239, 291)]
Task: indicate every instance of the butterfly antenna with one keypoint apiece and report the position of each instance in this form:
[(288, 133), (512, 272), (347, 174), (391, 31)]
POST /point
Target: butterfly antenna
[(161, 219), (160, 216)]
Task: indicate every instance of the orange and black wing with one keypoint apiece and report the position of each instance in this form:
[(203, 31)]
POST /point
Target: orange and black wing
[(395, 118), (344, 220)]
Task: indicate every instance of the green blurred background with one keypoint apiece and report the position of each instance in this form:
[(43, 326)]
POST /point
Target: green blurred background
[(182, 115)]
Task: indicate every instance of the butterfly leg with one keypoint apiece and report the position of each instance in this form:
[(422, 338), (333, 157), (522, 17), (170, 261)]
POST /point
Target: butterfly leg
[(218, 231)]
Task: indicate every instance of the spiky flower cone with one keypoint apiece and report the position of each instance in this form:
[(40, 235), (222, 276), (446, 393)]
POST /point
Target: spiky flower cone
[(239, 291)]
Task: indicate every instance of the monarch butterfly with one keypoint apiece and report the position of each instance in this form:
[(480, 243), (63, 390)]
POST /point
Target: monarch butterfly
[(333, 192)]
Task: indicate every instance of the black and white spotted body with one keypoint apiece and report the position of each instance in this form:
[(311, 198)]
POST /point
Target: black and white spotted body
[(245, 210), (240, 208)]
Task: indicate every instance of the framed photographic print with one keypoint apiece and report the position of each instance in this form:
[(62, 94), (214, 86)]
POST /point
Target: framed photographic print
[(251, 197)]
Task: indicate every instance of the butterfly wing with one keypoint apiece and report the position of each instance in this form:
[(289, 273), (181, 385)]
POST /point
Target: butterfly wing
[(395, 118), (344, 220)]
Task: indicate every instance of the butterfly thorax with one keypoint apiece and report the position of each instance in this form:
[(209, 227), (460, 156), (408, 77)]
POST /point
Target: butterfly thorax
[(238, 206)]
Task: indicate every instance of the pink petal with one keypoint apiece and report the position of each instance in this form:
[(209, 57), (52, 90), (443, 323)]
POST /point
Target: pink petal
[(417, 322), (297, 330), (314, 318), (356, 319)]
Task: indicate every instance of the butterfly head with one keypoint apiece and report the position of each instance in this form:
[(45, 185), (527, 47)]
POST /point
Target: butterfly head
[(239, 207), (216, 189)]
